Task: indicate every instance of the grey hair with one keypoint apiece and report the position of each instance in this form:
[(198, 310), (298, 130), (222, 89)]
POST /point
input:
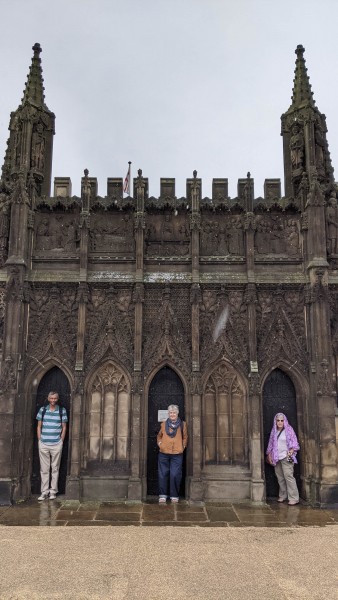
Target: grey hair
[(173, 408)]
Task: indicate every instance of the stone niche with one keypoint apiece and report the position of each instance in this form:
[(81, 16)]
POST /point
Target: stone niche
[(56, 233), (222, 235), (277, 234), (167, 235), (112, 233)]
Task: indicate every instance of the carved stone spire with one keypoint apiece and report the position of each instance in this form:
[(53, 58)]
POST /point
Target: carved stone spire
[(34, 90), (31, 127), (301, 94), (306, 152)]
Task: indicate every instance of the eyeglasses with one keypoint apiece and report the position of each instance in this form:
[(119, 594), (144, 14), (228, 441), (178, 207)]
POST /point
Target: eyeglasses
[(280, 420)]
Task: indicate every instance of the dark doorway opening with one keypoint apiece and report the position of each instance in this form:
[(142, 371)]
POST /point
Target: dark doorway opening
[(166, 388), (53, 380), (279, 395)]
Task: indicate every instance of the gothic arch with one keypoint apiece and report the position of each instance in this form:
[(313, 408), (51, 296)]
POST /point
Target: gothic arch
[(53, 378), (292, 391), (301, 386), (165, 386), (150, 377), (107, 420), (224, 416)]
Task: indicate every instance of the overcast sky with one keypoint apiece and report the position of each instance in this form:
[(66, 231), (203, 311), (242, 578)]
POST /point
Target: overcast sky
[(171, 85)]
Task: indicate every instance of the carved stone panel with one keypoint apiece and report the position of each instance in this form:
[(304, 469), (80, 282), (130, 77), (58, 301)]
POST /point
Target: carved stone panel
[(223, 326), (281, 327), (52, 326), (167, 235), (110, 326), (56, 234), (222, 235), (112, 233), (167, 327), (277, 234)]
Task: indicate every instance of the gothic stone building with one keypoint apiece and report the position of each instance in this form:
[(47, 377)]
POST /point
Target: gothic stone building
[(225, 306)]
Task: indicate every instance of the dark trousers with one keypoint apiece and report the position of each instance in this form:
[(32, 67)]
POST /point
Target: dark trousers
[(169, 470)]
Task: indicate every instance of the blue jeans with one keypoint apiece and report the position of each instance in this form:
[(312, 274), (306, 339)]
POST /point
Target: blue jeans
[(169, 469)]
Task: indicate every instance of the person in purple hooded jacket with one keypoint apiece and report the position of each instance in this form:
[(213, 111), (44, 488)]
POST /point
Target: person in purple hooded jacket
[(281, 454)]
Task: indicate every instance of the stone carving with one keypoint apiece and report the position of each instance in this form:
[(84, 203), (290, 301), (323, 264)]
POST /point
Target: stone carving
[(333, 300), (4, 233), (297, 148), (140, 189), (254, 384), (2, 313), (56, 233), (281, 327), (332, 225), (221, 236), (224, 418), (232, 339), (52, 325), (8, 375), (167, 328), (320, 150), (113, 234), (167, 235), (324, 387), (38, 148), (277, 235), (14, 286), (110, 326)]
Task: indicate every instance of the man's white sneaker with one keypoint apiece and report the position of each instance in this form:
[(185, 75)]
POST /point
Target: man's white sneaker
[(52, 496), (43, 497)]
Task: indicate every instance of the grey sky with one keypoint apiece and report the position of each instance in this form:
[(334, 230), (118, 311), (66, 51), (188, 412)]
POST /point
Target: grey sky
[(172, 85)]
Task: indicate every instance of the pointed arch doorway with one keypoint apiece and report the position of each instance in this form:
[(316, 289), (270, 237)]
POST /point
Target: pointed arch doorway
[(166, 388), (279, 395), (53, 380)]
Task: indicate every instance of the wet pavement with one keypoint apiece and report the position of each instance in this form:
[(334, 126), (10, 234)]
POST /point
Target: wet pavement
[(61, 512)]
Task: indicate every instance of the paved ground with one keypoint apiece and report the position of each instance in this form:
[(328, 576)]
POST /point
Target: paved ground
[(235, 552), (70, 513)]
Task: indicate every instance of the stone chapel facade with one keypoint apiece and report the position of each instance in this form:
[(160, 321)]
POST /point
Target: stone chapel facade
[(225, 306)]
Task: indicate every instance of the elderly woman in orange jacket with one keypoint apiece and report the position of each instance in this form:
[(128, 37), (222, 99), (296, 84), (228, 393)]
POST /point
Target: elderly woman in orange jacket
[(172, 440)]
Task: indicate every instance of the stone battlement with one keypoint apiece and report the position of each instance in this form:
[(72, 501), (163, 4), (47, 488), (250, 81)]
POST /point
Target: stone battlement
[(272, 188)]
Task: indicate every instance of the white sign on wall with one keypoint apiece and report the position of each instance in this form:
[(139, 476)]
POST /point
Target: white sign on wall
[(162, 415)]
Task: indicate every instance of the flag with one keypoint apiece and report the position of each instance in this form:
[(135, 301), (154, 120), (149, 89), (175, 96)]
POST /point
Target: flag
[(126, 183)]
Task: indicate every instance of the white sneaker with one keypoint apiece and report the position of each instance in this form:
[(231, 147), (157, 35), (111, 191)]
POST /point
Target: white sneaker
[(52, 496), (43, 496)]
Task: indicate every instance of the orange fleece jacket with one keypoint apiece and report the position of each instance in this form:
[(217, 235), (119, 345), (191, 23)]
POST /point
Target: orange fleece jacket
[(175, 445)]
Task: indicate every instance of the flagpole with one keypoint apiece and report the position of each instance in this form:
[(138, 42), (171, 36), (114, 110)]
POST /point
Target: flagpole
[(126, 183)]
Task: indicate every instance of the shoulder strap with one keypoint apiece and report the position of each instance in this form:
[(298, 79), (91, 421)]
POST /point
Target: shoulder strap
[(44, 408), (60, 412)]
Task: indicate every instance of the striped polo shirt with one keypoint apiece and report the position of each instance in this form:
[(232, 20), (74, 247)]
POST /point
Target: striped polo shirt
[(51, 425)]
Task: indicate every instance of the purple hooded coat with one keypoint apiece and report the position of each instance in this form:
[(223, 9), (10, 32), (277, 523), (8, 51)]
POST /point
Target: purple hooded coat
[(291, 440)]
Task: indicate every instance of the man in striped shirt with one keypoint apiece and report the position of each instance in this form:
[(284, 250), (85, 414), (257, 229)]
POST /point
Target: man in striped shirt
[(51, 434)]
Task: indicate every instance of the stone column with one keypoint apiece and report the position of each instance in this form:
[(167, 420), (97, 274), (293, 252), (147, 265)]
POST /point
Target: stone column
[(77, 441), (135, 483), (195, 427), (322, 401)]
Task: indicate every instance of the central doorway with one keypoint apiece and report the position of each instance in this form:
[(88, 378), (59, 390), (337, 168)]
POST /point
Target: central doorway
[(56, 380), (166, 388), (279, 395)]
